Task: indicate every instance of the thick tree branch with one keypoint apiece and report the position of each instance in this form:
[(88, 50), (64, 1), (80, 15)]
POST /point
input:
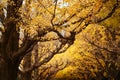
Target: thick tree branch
[(27, 47), (45, 60)]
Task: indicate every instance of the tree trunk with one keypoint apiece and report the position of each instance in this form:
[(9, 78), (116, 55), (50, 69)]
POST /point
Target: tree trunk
[(9, 42), (36, 61), (8, 46), (27, 64), (8, 70)]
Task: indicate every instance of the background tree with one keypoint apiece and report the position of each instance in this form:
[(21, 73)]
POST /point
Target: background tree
[(100, 53)]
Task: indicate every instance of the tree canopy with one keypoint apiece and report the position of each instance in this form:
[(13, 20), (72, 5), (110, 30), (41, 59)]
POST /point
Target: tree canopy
[(32, 32)]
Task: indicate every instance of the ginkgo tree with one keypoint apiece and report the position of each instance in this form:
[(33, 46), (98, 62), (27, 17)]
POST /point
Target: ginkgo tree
[(24, 23)]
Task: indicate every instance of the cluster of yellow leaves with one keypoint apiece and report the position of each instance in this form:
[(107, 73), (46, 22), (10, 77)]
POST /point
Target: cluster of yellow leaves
[(2, 3), (97, 34), (114, 20), (39, 14)]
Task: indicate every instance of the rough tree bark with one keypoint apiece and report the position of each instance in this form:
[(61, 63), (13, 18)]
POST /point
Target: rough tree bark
[(9, 65), (10, 43)]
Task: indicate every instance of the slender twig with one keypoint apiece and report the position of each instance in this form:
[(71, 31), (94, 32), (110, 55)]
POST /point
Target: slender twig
[(54, 13)]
